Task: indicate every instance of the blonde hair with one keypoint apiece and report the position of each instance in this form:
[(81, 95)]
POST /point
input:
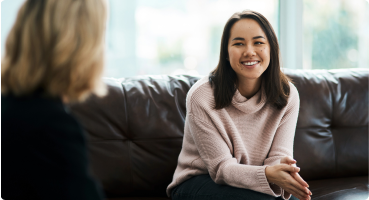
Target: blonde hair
[(56, 46)]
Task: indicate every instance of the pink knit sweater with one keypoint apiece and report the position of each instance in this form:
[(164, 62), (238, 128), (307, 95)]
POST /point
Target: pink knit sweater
[(235, 144)]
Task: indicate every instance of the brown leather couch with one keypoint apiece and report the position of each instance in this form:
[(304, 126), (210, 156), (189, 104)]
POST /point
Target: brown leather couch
[(135, 133)]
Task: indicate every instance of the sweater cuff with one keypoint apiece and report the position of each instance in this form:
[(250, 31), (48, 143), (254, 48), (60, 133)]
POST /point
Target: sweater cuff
[(276, 189), (264, 183), (286, 195)]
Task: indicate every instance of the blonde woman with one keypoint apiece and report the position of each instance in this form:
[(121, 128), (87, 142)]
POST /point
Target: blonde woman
[(53, 55)]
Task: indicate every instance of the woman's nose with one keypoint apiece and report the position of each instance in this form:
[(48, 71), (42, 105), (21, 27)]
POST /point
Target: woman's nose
[(249, 51)]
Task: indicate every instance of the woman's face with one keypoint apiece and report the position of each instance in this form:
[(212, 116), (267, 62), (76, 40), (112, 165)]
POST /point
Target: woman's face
[(248, 49)]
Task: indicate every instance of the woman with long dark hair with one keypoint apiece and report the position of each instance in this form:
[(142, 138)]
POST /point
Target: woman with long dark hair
[(241, 121)]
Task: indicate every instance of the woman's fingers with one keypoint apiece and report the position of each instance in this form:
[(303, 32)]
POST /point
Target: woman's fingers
[(288, 160), (289, 168), (291, 183), (284, 178), (298, 178), (304, 190), (297, 193)]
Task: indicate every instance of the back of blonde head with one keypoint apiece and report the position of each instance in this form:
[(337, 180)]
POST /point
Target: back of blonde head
[(56, 46)]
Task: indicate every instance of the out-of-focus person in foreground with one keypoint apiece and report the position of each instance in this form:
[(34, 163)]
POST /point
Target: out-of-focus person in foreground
[(54, 55)]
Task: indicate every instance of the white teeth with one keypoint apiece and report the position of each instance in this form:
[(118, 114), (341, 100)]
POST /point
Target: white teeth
[(250, 63)]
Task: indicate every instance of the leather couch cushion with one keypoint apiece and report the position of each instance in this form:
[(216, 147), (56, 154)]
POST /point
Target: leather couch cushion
[(331, 138), (135, 133), (355, 188)]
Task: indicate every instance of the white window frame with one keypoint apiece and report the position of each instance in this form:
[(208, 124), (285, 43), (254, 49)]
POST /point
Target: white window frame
[(291, 33)]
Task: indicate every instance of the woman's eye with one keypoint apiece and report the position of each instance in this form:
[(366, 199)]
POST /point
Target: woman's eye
[(238, 44), (258, 43)]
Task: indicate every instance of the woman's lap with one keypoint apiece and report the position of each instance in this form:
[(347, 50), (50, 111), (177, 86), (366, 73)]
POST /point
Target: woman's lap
[(202, 187)]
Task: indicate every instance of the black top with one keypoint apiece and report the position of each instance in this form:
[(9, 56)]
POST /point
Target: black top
[(43, 151)]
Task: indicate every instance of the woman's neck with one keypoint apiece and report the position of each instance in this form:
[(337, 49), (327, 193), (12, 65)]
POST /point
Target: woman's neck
[(249, 87)]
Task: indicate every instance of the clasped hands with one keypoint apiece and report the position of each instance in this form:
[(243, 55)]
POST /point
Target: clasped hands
[(286, 176)]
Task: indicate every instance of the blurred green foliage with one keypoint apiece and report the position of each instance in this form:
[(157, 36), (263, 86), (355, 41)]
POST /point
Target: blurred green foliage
[(331, 28)]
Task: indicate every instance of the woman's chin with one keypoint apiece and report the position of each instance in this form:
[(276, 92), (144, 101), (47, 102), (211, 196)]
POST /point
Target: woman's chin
[(249, 76)]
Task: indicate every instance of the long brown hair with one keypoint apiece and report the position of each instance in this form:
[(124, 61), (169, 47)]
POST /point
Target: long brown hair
[(223, 78)]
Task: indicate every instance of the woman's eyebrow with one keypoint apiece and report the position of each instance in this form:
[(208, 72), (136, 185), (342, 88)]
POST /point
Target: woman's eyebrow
[(257, 37), (238, 38)]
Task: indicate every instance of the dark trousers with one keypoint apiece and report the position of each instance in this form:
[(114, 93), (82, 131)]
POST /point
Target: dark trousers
[(202, 187)]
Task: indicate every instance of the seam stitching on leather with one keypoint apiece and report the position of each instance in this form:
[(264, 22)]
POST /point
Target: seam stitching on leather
[(330, 127), (126, 111), (130, 164), (335, 192), (175, 93)]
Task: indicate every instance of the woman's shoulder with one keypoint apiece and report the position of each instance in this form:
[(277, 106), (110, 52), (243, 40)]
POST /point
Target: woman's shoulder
[(201, 84), (294, 93), (62, 123), (293, 101), (201, 92), (38, 113)]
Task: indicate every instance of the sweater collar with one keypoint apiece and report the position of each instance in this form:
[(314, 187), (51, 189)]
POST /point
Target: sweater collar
[(251, 105)]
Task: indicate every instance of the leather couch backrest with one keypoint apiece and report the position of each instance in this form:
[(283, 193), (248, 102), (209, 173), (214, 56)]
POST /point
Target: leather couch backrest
[(135, 132), (331, 138)]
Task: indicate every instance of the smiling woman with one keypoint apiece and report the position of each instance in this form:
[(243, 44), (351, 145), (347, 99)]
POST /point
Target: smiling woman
[(246, 55), (249, 39), (240, 122)]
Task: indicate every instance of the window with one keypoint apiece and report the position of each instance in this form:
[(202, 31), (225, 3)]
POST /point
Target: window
[(183, 36), (172, 37), (336, 34)]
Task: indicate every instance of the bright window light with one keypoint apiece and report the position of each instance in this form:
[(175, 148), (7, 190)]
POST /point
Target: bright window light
[(335, 34), (172, 37), (183, 36)]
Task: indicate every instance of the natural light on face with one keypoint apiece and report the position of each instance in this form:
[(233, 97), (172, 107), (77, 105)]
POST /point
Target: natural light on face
[(248, 50)]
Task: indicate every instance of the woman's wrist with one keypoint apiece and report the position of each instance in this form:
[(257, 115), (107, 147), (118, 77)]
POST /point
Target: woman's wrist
[(267, 173)]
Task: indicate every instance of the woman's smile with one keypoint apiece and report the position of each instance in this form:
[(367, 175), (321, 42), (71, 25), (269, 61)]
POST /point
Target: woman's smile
[(250, 64)]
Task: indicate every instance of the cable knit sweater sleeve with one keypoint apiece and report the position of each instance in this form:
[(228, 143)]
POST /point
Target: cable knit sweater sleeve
[(283, 140)]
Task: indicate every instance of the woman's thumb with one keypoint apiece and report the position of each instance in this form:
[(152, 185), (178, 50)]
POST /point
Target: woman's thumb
[(288, 160), (290, 168)]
